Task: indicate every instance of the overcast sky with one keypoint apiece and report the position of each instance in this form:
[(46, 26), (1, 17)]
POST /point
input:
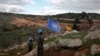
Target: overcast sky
[(49, 7)]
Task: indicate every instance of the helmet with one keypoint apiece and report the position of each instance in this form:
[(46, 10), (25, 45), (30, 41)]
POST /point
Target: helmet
[(30, 39)]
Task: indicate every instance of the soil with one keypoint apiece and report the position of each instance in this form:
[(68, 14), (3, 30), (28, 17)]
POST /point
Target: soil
[(67, 52), (26, 23)]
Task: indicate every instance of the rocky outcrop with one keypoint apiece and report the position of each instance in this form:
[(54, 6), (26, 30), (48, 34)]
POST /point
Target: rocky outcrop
[(95, 27), (95, 49), (32, 53), (49, 45), (93, 35), (71, 43)]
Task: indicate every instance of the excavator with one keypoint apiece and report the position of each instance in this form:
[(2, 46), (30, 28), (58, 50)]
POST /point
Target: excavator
[(76, 22)]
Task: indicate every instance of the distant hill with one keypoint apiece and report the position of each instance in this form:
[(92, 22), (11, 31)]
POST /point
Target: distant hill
[(73, 15), (6, 17)]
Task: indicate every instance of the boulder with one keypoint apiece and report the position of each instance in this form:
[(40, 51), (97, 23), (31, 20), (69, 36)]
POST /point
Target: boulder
[(32, 53), (71, 43), (92, 35), (95, 49), (95, 27), (49, 45)]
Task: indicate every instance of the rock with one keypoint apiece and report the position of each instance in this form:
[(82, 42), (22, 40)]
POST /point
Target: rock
[(46, 46), (18, 53), (32, 53), (93, 35), (66, 32), (97, 26), (15, 47), (49, 45), (71, 43), (95, 49)]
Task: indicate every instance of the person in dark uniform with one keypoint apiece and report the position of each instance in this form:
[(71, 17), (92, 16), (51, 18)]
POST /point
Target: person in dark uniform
[(30, 43), (40, 42)]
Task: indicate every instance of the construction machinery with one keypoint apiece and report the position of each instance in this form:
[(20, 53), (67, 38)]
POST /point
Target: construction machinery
[(69, 28), (83, 15), (78, 25)]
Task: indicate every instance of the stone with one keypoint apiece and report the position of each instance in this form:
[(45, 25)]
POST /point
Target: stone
[(49, 45), (18, 53), (32, 53), (92, 35), (71, 43), (46, 46), (95, 49)]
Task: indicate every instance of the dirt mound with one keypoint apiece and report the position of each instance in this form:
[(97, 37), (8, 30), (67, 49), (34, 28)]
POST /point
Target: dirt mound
[(20, 22)]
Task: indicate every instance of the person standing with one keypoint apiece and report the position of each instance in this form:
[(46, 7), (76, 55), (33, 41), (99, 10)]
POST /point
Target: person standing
[(30, 43), (40, 42)]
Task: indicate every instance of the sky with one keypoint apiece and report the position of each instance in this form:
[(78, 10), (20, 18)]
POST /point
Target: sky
[(49, 7)]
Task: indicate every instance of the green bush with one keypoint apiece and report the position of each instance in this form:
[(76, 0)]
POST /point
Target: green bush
[(8, 27)]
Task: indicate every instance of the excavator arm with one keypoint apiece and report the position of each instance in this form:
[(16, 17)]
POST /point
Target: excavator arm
[(81, 16)]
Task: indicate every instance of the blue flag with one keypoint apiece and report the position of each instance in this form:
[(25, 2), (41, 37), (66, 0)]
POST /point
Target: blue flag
[(53, 25)]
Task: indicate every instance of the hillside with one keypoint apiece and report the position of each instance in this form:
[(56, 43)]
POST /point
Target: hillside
[(73, 15), (9, 16), (16, 28), (11, 21)]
